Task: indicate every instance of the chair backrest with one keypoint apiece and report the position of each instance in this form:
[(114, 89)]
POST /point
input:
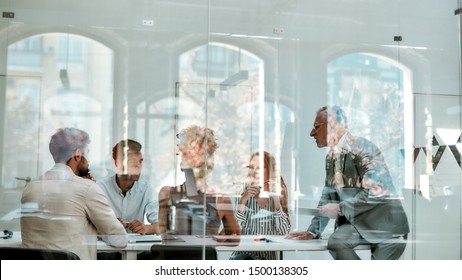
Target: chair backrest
[(180, 252), (174, 219), (7, 253)]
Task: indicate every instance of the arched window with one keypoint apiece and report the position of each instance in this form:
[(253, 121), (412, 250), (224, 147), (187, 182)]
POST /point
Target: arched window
[(55, 80), (219, 86)]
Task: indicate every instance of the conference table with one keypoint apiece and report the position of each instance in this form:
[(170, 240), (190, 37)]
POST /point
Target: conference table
[(246, 243)]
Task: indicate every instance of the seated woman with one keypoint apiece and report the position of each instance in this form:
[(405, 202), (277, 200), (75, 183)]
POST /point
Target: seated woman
[(196, 147), (263, 211)]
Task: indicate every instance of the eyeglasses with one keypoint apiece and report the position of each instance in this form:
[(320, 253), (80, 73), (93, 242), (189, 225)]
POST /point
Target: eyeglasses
[(316, 126)]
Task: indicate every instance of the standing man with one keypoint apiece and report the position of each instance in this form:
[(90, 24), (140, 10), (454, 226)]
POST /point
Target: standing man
[(358, 194), (64, 210), (130, 198)]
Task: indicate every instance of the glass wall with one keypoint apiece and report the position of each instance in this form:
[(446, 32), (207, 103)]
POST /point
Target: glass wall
[(255, 73)]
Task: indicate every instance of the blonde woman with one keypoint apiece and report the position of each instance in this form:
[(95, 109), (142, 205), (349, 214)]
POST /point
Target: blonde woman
[(196, 146)]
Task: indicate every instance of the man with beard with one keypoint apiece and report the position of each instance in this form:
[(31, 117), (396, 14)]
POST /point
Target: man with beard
[(130, 198), (63, 209)]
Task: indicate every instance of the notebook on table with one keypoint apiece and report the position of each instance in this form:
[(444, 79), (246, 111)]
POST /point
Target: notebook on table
[(136, 237)]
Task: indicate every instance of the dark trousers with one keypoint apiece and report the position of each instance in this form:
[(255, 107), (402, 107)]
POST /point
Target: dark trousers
[(342, 242)]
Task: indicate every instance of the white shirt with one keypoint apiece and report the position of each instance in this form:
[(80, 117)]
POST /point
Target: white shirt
[(63, 211), (141, 199)]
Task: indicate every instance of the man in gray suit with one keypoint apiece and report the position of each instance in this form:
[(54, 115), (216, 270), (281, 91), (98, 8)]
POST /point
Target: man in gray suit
[(358, 194)]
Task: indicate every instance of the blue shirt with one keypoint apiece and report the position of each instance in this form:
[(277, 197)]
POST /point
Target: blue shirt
[(141, 199)]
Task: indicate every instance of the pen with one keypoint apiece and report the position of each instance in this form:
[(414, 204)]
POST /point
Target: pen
[(262, 239)]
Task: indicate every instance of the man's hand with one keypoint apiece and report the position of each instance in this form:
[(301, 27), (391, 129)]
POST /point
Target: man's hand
[(137, 227), (301, 235), (89, 176), (329, 210)]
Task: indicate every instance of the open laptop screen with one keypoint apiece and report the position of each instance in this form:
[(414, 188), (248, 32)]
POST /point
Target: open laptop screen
[(190, 183)]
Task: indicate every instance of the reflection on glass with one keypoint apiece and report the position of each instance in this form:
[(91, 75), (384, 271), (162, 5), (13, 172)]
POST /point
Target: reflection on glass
[(370, 88)]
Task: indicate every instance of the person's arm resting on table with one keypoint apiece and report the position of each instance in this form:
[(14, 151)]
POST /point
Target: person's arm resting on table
[(104, 219), (301, 235), (138, 227)]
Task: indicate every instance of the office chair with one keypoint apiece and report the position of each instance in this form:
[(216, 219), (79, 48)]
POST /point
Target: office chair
[(8, 253), (192, 252)]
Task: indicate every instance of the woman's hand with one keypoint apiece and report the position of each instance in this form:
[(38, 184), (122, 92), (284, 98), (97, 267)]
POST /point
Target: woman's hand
[(251, 191), (277, 201)]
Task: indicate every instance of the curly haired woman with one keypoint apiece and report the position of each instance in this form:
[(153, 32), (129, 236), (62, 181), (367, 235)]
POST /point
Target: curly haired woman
[(196, 147)]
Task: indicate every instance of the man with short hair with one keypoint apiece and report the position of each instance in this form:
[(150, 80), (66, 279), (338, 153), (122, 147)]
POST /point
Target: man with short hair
[(130, 198), (358, 193), (63, 209)]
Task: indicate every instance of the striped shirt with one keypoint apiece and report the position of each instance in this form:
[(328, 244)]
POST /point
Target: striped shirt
[(262, 221)]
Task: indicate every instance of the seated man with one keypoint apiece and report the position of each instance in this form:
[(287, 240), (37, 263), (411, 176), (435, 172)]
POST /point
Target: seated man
[(62, 209), (359, 194), (130, 198)]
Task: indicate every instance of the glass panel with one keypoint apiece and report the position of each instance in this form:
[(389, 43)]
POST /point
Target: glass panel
[(255, 72), (437, 176), (20, 158), (368, 88), (22, 124), (46, 91)]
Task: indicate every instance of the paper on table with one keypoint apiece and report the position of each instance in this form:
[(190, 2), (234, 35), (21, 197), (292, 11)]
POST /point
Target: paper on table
[(136, 237)]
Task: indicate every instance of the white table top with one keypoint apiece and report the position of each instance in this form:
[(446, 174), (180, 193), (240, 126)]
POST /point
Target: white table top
[(247, 243)]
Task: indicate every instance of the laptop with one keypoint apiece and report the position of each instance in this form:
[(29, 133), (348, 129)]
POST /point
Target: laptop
[(136, 237), (190, 183)]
